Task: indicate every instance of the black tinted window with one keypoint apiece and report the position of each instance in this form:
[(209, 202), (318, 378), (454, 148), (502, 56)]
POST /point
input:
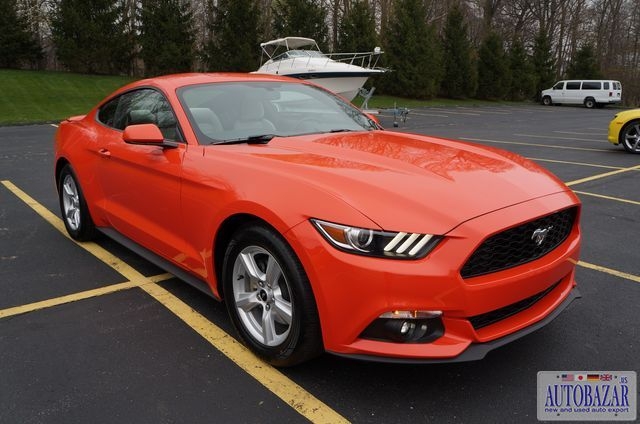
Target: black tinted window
[(573, 85), (107, 112), (606, 85), (591, 85), (559, 86)]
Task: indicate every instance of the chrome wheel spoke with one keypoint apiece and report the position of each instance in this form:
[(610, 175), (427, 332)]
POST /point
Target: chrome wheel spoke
[(251, 268), (268, 328), (282, 310), (247, 301), (273, 273)]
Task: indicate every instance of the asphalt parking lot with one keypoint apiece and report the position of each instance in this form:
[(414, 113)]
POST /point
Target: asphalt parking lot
[(93, 333)]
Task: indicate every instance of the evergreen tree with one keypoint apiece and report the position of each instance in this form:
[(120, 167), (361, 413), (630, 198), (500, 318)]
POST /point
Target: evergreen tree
[(493, 69), (584, 64), (412, 52), (225, 51), (522, 78), (166, 36), (90, 37), (357, 29), (542, 61), (300, 18), (17, 45), (461, 77)]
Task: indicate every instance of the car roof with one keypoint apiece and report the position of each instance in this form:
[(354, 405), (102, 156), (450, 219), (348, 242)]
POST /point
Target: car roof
[(175, 81)]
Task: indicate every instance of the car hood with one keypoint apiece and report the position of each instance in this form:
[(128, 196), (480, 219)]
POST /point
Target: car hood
[(408, 182)]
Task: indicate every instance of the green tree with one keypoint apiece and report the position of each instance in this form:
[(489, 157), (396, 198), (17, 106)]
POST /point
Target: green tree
[(522, 78), (584, 64), (493, 69), (17, 45), (412, 52), (225, 51), (543, 64), (166, 36), (300, 18), (357, 29), (90, 37), (461, 77)]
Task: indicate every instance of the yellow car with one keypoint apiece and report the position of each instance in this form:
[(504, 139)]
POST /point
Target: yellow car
[(624, 129)]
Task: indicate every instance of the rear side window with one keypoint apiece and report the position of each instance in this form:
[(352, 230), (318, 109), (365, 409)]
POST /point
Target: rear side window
[(591, 85), (605, 85), (573, 85)]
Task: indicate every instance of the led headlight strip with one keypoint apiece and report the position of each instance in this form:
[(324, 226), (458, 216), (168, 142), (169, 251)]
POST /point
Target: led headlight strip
[(384, 244)]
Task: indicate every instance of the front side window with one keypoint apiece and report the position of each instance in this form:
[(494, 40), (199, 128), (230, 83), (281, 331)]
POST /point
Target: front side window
[(144, 106), (223, 112), (559, 85)]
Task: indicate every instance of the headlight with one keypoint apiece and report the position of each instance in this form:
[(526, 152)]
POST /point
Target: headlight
[(383, 244)]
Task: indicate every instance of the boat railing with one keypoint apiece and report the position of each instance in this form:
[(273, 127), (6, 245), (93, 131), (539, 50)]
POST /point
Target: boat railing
[(302, 58)]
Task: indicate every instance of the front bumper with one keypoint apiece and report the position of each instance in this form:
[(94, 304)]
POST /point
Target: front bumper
[(352, 291)]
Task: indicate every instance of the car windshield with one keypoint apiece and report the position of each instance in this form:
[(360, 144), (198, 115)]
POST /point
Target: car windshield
[(237, 111)]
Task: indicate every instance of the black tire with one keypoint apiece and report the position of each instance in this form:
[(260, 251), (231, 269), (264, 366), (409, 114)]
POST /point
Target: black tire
[(261, 271), (546, 100), (75, 213), (630, 136), (589, 103)]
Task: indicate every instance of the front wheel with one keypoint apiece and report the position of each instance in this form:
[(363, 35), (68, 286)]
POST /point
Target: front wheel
[(73, 206), (630, 136), (269, 298), (546, 100)]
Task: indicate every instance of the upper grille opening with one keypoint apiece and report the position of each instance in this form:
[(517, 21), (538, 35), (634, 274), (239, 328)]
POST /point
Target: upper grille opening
[(520, 245)]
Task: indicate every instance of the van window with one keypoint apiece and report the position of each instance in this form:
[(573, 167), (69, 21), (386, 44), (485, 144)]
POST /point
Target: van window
[(617, 86), (559, 86), (605, 85), (591, 85), (573, 85)]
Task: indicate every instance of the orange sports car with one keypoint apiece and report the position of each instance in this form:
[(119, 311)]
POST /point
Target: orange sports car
[(320, 230)]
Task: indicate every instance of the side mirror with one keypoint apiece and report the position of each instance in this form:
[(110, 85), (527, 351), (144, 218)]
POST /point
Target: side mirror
[(146, 134)]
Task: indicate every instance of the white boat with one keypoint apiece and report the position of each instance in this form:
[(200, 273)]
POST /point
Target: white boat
[(342, 73)]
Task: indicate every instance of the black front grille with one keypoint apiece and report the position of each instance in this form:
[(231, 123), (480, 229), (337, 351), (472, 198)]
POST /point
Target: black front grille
[(519, 245), (489, 318)]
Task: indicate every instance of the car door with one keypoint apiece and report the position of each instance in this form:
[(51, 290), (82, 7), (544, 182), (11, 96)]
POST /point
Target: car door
[(141, 183)]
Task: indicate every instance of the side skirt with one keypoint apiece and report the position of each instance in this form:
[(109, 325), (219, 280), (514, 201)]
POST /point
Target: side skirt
[(158, 261)]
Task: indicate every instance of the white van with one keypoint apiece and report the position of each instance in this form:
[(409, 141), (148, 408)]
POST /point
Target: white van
[(591, 93)]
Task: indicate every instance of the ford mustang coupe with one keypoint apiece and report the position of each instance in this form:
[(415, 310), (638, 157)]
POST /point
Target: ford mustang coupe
[(318, 229)]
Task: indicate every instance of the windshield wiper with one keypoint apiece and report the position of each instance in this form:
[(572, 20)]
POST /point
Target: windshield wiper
[(337, 130), (253, 139)]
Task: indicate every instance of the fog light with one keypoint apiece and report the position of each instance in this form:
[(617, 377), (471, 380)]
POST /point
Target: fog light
[(406, 327)]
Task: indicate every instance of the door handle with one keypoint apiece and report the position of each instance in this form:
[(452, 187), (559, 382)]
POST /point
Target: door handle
[(104, 152)]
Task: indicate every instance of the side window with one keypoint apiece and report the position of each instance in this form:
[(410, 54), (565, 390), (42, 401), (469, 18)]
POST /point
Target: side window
[(605, 85), (107, 113), (559, 86), (573, 85), (146, 106), (591, 85)]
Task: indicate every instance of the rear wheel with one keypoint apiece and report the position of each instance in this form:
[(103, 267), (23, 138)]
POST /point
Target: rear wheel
[(269, 298), (589, 103), (630, 136), (73, 206), (546, 100)]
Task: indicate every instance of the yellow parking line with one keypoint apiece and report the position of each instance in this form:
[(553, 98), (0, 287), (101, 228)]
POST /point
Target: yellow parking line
[(23, 309), (617, 199), (293, 394), (606, 174), (610, 271), (576, 163), (519, 143)]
